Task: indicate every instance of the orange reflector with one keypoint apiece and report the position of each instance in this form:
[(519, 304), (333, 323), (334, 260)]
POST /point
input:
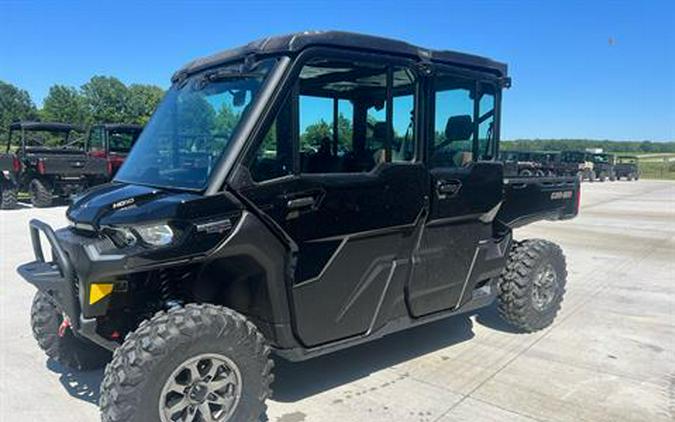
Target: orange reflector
[(98, 291)]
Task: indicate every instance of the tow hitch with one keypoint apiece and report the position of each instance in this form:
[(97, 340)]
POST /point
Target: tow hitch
[(65, 324)]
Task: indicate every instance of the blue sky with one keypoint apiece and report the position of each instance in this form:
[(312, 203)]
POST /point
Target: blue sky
[(581, 69)]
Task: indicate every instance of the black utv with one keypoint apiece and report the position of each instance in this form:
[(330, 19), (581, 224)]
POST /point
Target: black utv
[(53, 160), (603, 166), (627, 166), (297, 195), (577, 163), (521, 163)]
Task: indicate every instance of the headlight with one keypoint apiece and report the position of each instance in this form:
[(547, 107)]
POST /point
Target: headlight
[(155, 234)]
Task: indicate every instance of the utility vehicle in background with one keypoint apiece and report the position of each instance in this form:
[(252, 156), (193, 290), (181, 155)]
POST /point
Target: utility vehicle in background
[(52, 160), (521, 163), (297, 195), (603, 166), (112, 142), (577, 163), (627, 166)]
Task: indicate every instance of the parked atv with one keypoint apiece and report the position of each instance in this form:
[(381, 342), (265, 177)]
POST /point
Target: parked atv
[(224, 239), (112, 142), (521, 163), (52, 160), (603, 166), (577, 163), (627, 166), (10, 167), (548, 161)]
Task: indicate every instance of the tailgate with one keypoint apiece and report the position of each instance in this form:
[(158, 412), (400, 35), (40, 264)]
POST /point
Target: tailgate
[(73, 164), (528, 199)]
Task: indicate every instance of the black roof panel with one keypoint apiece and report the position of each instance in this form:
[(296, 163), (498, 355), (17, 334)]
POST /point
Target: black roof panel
[(121, 127), (50, 126), (294, 43)]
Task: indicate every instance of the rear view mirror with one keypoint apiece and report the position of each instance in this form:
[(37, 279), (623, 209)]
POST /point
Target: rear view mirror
[(239, 98)]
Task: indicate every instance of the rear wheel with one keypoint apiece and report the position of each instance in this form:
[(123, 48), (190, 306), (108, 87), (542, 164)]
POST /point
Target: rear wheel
[(525, 172), (59, 342), (8, 199), (40, 194), (192, 363), (532, 286)]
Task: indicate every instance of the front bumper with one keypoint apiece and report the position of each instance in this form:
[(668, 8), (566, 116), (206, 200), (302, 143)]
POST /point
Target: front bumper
[(58, 279)]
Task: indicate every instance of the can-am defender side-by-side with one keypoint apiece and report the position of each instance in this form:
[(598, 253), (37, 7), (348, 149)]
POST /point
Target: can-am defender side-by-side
[(112, 142), (53, 160), (627, 166), (301, 194)]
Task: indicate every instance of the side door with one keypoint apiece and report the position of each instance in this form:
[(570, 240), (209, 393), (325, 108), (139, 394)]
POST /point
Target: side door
[(466, 188), (337, 171)]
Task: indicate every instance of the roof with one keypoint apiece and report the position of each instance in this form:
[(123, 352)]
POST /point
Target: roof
[(50, 126), (294, 43), (123, 127)]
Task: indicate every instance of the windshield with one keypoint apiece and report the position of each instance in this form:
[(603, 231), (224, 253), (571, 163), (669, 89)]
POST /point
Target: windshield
[(121, 140), (192, 127)]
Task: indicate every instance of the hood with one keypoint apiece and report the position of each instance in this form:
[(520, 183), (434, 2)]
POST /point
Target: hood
[(126, 204)]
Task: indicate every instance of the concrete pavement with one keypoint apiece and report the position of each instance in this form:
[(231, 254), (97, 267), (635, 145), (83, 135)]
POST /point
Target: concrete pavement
[(610, 356)]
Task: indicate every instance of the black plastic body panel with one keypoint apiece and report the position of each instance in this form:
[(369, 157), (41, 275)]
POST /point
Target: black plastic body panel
[(528, 199)]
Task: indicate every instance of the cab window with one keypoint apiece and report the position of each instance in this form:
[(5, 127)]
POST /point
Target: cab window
[(465, 113), (350, 117), (453, 121)]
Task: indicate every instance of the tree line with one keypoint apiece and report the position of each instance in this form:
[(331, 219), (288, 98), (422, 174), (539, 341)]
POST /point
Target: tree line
[(106, 99), (637, 147), (103, 99)]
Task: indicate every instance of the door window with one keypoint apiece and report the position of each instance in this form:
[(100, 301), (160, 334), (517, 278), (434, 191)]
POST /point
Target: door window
[(453, 121), (486, 123), (345, 122), (96, 140), (274, 155)]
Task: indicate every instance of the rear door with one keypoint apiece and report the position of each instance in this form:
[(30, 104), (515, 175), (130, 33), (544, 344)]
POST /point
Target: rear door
[(465, 188), (337, 171)]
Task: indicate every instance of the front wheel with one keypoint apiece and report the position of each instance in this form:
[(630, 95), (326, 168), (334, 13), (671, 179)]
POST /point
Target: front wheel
[(58, 341), (532, 286), (192, 363)]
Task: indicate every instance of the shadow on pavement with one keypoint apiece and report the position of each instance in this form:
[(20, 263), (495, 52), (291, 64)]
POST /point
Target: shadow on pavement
[(295, 381), (298, 380), (489, 317), (81, 385)]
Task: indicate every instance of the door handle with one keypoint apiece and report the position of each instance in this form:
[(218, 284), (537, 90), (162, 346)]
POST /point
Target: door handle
[(447, 188), (303, 202)]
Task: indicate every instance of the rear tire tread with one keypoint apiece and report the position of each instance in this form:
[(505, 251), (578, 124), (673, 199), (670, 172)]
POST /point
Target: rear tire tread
[(525, 258)]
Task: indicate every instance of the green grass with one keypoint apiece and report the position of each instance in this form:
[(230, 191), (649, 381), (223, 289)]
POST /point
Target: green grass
[(657, 166)]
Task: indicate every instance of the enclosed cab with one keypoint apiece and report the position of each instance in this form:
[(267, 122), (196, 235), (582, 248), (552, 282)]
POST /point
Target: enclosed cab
[(627, 166), (300, 194), (112, 142), (52, 160)]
